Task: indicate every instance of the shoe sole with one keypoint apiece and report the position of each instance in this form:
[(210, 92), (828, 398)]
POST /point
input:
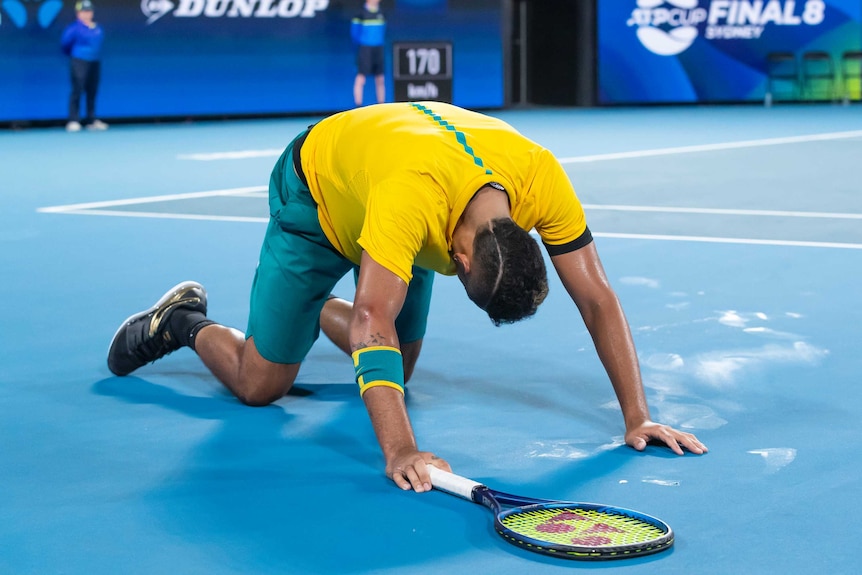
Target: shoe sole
[(162, 301)]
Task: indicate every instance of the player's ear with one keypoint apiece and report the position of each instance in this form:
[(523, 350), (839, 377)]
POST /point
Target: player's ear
[(462, 263), (462, 267)]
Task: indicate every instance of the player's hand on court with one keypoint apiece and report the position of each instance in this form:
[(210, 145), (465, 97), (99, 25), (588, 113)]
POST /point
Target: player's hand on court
[(408, 469), (648, 431)]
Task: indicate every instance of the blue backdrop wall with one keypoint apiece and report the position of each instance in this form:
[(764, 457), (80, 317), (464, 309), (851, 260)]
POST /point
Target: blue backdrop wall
[(169, 58), (652, 51)]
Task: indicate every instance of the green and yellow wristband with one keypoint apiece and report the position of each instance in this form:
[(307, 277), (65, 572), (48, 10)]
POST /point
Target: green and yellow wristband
[(378, 366)]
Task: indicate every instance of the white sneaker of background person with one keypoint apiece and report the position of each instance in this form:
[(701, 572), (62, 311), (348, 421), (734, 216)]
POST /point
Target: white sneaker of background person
[(97, 125), (73, 126)]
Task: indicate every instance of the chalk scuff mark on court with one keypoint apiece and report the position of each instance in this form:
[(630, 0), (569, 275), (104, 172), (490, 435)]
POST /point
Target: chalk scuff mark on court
[(771, 332), (776, 458), (723, 367), (640, 281), (662, 482), (565, 449), (732, 318), (665, 361), (690, 417)]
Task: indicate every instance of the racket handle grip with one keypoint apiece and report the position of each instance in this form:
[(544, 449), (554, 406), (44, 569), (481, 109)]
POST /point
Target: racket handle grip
[(451, 483)]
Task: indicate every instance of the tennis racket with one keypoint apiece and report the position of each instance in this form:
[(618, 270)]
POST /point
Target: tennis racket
[(585, 531)]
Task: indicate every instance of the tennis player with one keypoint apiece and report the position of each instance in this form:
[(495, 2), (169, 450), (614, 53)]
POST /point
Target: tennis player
[(397, 192)]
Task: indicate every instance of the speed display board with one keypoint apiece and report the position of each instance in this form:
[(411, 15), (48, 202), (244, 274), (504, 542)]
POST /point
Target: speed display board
[(422, 71)]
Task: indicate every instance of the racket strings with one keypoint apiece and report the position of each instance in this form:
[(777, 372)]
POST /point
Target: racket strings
[(581, 527)]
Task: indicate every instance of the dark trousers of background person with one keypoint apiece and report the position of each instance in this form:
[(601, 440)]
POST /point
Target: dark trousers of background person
[(85, 78)]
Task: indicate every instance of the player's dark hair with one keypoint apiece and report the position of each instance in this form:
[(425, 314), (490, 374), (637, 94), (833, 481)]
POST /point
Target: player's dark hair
[(507, 278)]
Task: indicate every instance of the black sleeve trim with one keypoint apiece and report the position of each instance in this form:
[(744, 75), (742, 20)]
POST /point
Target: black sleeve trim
[(583, 240)]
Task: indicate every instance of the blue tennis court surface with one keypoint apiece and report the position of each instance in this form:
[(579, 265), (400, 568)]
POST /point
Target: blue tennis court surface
[(732, 235)]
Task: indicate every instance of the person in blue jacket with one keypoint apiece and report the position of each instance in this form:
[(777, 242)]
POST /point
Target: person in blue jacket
[(368, 31), (82, 42)]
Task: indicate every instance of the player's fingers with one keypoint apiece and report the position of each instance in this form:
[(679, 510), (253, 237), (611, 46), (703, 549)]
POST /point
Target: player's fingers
[(638, 443), (691, 443), (423, 476), (675, 447), (412, 472), (400, 480), (669, 439)]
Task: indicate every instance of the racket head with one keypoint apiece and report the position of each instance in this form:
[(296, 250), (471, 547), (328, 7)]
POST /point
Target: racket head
[(583, 531)]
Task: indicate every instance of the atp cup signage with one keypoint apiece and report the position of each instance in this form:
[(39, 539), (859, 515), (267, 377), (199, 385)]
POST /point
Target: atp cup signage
[(156, 9), (669, 27)]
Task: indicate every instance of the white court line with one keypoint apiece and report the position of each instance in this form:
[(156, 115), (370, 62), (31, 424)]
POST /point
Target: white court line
[(243, 154), (238, 155), (257, 191), (164, 215), (655, 237), (716, 240), (723, 211), (76, 208), (713, 147), (97, 209)]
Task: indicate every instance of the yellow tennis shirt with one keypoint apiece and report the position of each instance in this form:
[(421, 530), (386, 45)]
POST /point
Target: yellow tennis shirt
[(394, 179)]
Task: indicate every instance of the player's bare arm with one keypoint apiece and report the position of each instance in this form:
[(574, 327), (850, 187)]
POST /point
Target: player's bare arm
[(584, 278), (379, 297)]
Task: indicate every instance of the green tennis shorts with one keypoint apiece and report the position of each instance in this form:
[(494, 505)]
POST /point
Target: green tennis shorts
[(298, 269)]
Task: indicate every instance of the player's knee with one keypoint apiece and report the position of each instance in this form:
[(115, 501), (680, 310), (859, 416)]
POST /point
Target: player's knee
[(408, 368), (258, 399), (261, 394)]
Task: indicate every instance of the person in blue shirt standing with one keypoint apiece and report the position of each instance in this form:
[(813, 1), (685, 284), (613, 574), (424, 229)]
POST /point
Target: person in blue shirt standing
[(82, 42), (368, 31)]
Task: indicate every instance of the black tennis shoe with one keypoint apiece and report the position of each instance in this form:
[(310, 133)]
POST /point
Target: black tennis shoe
[(146, 336)]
